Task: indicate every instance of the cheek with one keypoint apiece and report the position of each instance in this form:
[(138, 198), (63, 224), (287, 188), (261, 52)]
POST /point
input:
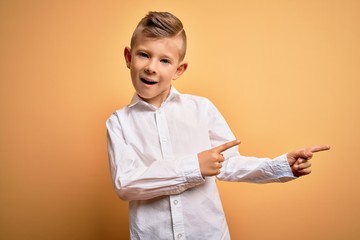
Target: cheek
[(169, 72), (134, 74), (135, 67), (137, 63)]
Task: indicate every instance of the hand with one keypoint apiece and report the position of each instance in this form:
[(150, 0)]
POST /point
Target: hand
[(299, 159), (210, 161)]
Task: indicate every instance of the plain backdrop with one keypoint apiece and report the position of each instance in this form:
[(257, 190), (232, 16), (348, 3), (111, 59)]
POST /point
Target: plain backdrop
[(284, 73)]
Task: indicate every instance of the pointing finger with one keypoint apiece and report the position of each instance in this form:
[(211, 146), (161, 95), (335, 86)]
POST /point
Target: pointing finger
[(307, 153), (319, 148), (226, 146)]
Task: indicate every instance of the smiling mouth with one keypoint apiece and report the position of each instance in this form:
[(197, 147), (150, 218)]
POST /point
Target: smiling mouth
[(147, 81)]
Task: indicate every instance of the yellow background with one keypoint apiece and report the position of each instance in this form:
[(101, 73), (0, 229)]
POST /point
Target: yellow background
[(285, 74)]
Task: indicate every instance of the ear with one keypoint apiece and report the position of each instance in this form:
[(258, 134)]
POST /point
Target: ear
[(127, 55), (180, 70)]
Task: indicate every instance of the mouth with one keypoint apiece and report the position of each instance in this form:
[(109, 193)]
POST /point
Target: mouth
[(148, 81)]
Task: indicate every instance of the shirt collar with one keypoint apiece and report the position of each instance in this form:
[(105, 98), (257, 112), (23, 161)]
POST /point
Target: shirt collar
[(172, 95)]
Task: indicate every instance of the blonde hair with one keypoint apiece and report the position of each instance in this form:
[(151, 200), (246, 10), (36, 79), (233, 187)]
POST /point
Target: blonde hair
[(160, 25)]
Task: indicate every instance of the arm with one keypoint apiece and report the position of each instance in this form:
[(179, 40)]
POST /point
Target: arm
[(238, 168), (231, 166), (135, 180), (296, 161), (242, 168)]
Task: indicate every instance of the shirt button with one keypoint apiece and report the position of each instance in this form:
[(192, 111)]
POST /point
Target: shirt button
[(179, 235), (176, 202)]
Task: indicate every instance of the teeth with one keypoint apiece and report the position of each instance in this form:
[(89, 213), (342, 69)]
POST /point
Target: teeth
[(147, 82)]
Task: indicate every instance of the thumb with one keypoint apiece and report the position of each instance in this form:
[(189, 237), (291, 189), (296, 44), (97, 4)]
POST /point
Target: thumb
[(301, 153)]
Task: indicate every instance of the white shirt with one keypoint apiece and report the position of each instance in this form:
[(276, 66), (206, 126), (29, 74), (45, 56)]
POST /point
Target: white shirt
[(154, 165)]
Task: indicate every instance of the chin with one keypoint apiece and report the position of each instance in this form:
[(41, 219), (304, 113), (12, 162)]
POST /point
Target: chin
[(144, 96)]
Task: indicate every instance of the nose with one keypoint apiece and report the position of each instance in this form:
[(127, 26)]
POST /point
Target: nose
[(150, 67)]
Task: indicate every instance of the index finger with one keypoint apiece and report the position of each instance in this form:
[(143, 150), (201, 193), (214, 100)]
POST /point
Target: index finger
[(319, 148), (226, 146)]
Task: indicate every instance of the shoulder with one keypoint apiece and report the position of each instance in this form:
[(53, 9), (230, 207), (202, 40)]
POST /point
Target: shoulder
[(196, 100), (117, 114), (199, 103)]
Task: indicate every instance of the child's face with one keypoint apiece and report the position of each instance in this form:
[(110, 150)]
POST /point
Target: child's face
[(153, 63)]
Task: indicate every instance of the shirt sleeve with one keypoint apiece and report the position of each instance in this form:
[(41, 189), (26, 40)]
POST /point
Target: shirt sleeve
[(135, 181), (239, 168)]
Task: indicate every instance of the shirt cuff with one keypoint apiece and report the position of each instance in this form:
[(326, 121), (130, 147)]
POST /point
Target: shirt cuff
[(282, 169), (192, 169)]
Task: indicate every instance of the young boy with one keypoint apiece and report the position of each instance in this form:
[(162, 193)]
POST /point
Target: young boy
[(166, 148)]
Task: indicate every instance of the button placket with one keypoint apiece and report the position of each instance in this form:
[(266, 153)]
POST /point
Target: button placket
[(177, 217), (163, 132), (166, 149)]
